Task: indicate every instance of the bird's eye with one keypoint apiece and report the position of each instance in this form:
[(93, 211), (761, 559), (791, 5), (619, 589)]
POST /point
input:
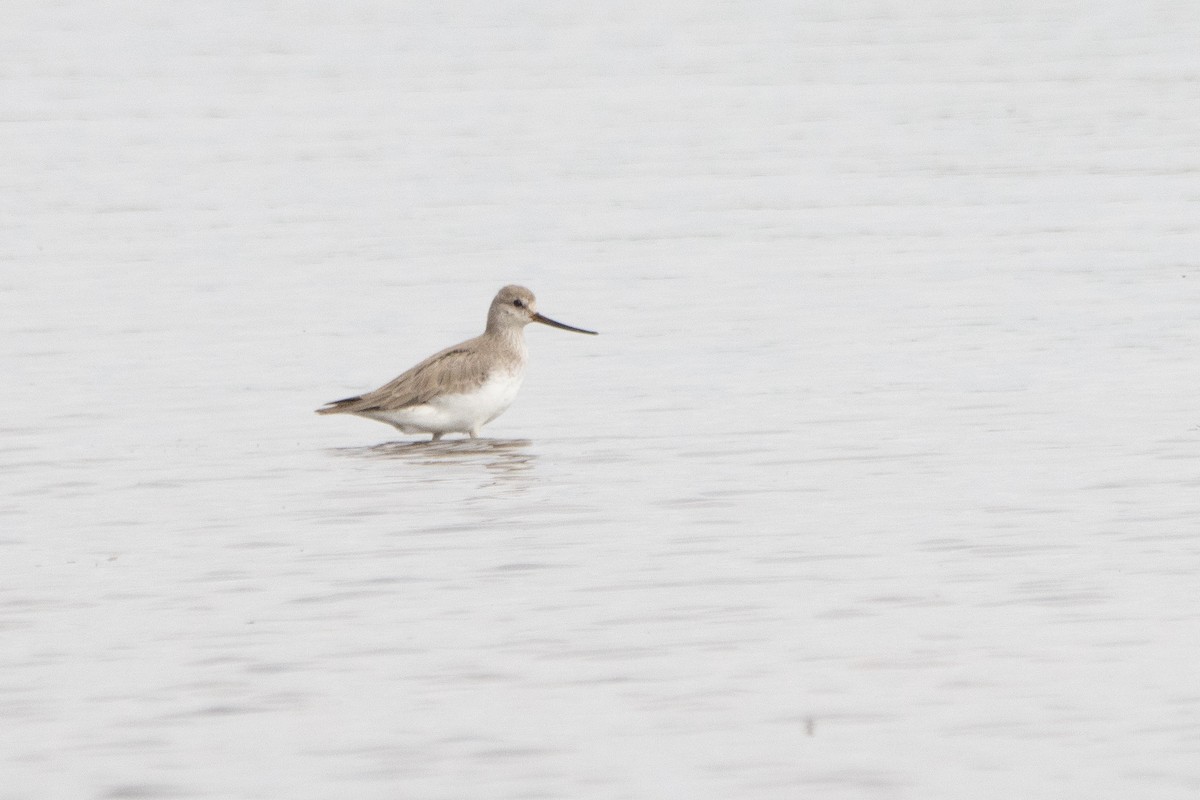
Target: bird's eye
[(519, 303)]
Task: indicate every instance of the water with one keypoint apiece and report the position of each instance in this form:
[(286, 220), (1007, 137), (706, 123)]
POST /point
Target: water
[(880, 481)]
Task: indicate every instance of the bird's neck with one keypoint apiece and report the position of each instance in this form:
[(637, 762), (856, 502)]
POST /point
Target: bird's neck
[(509, 337)]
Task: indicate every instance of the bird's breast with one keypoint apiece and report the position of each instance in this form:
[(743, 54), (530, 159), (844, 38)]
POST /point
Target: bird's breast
[(485, 402)]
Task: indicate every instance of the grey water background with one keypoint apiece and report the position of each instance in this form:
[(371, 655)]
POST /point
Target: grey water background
[(881, 479)]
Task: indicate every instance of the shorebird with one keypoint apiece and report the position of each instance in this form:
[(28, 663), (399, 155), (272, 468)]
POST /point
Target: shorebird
[(464, 387)]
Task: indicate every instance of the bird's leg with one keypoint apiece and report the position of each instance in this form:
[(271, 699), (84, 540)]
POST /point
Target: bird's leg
[(473, 434), (437, 437)]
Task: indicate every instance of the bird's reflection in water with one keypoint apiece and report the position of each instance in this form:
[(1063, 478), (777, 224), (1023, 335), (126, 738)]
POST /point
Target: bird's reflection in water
[(507, 461)]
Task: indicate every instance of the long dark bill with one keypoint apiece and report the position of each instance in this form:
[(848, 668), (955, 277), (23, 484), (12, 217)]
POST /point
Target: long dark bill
[(553, 324)]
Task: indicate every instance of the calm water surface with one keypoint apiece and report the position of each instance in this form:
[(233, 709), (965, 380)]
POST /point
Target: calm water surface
[(881, 479)]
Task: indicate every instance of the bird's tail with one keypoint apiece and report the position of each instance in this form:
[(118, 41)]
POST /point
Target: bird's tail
[(339, 406)]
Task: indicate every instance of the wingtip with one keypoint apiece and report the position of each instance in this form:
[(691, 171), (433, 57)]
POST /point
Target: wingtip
[(337, 406)]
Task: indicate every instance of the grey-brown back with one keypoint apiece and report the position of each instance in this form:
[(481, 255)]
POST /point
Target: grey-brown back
[(463, 367)]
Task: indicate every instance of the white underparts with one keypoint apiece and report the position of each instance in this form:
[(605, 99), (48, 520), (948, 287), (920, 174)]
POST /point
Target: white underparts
[(456, 413)]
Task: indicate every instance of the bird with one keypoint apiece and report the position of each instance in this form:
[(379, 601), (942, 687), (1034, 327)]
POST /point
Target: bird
[(464, 387)]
